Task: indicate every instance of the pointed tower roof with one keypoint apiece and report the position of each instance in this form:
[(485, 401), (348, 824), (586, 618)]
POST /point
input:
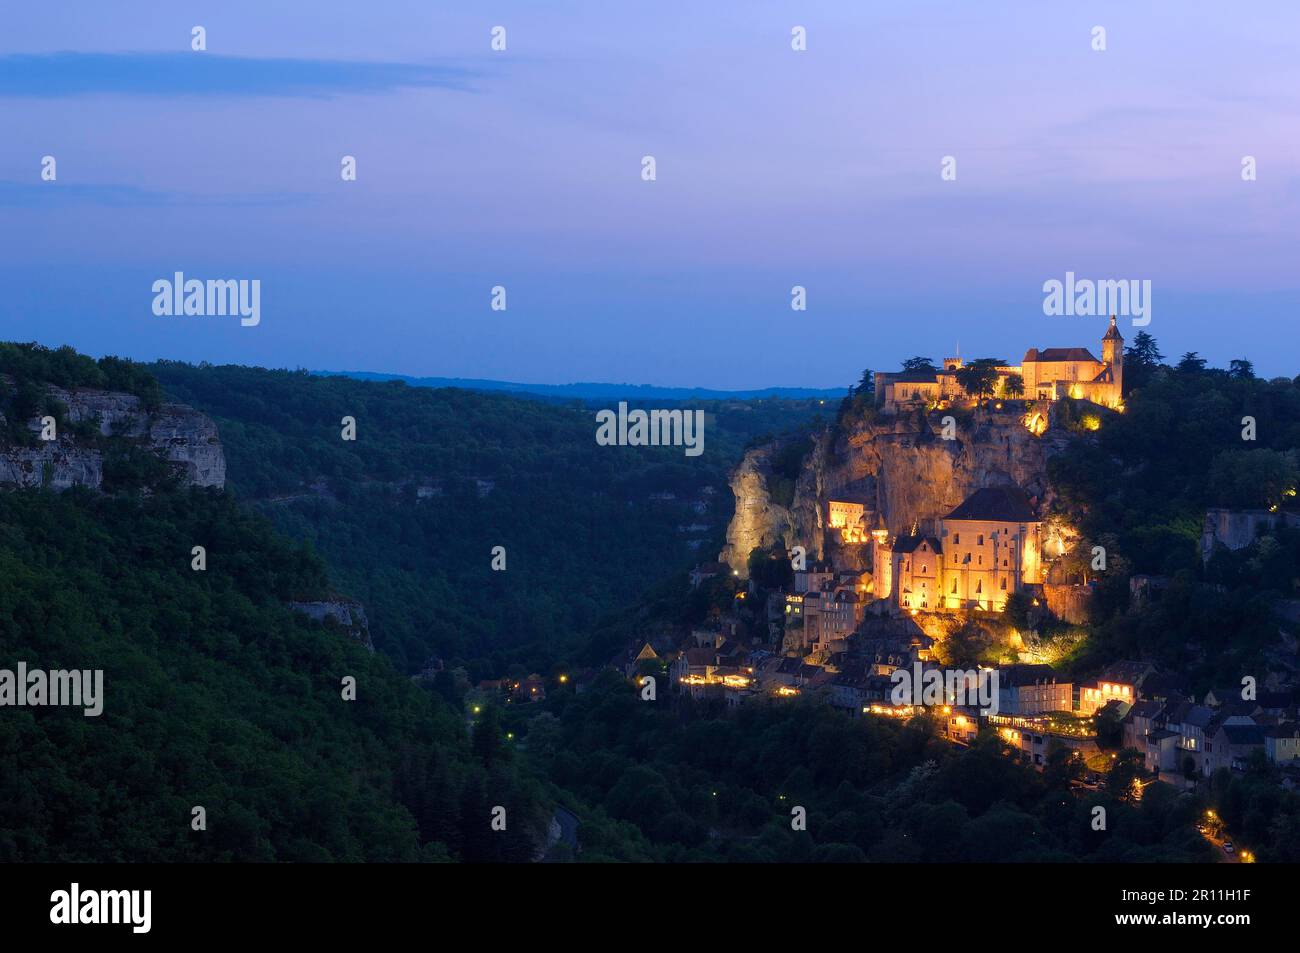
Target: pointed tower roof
[(1112, 332)]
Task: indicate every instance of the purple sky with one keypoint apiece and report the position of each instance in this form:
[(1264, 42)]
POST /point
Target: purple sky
[(522, 168)]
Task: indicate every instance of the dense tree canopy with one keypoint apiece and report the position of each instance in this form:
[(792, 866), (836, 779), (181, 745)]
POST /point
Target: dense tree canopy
[(217, 695)]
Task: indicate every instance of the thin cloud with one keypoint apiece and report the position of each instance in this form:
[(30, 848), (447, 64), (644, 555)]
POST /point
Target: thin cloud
[(65, 195), (57, 75)]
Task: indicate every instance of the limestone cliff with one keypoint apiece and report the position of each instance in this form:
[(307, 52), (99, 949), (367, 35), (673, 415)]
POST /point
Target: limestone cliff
[(348, 614), (182, 436), (899, 467)]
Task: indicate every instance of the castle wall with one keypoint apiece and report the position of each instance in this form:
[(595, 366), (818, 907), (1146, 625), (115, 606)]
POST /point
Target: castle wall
[(1071, 603)]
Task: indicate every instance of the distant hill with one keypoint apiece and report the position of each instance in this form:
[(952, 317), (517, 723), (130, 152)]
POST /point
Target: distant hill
[(597, 391)]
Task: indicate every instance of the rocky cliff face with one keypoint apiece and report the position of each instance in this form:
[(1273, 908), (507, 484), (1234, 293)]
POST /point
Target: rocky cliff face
[(348, 614), (184, 437), (901, 470)]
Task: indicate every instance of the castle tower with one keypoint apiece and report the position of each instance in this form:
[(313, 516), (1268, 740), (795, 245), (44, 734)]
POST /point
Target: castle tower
[(1112, 353), (881, 555)]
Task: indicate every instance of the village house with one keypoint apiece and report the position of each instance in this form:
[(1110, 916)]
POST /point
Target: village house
[(1140, 721), (885, 655), (1035, 737), (1164, 687), (645, 658), (848, 688), (694, 663), (530, 689), (1032, 690), (1097, 693), (813, 577), (1121, 681), (1282, 743), (828, 616), (1188, 723), (1231, 746), (962, 725), (1161, 754), (706, 571)]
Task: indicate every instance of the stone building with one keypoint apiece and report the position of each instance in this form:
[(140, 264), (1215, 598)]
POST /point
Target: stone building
[(984, 550), (1032, 690), (1048, 374), (848, 517)]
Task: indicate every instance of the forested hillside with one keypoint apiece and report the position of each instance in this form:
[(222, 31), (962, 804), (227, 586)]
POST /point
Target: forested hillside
[(1191, 438), (407, 515), (217, 695), (695, 785)]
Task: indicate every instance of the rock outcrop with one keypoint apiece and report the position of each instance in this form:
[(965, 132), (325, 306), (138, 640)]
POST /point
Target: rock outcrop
[(181, 435), (904, 472), (348, 614)]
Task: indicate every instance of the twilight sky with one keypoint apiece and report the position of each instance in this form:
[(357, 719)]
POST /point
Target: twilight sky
[(523, 168)]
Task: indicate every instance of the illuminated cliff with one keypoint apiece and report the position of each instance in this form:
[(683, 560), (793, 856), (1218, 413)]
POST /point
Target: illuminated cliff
[(906, 474)]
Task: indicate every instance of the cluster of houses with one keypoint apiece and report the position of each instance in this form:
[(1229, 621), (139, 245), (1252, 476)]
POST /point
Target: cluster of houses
[(1033, 710), (1181, 738), (515, 690), (1185, 738)]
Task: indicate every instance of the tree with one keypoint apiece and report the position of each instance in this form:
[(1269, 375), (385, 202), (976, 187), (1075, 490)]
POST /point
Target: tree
[(1013, 385), (978, 377), (1128, 767), (1109, 726), (1017, 609), (1191, 363), (1241, 369), (918, 365), (487, 734), (770, 569), (866, 384), (1143, 352), (1252, 478)]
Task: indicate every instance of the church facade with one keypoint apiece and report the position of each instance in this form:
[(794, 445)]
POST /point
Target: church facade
[(981, 553)]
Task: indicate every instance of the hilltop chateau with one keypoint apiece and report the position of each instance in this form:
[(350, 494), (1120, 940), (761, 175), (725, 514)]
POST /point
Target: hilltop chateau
[(990, 546), (1048, 374)]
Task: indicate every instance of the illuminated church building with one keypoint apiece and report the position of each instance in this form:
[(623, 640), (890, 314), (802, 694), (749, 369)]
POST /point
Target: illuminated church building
[(1048, 374), (983, 551)]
